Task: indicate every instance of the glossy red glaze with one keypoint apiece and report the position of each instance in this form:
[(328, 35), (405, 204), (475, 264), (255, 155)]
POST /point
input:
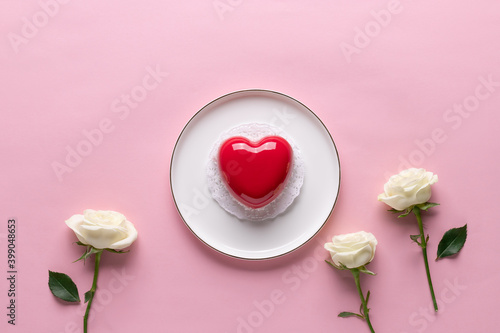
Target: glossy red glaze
[(255, 172)]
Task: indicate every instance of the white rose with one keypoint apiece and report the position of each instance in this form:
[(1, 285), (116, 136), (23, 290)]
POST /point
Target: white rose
[(352, 250), (408, 188), (103, 229)]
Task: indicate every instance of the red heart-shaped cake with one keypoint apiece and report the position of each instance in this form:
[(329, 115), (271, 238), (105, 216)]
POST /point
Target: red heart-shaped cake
[(255, 172)]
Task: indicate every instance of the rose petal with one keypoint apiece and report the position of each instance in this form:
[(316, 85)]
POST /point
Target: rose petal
[(74, 222), (126, 242), (423, 194), (396, 201), (102, 238)]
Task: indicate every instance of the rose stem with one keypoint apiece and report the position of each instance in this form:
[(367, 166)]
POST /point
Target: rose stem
[(92, 290), (355, 273), (423, 245)]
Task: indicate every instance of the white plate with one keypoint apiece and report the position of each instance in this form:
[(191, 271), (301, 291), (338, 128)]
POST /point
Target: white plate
[(261, 239)]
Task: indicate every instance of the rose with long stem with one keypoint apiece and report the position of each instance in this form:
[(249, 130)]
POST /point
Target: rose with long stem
[(353, 252), (407, 192), (98, 231)]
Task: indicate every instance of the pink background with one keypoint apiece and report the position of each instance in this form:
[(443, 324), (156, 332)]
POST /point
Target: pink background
[(390, 96)]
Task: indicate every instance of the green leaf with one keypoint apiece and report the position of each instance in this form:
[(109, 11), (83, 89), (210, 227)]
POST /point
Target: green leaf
[(116, 251), (331, 264), (341, 267), (426, 205), (346, 314), (63, 287), (452, 242), (415, 238), (363, 269), (84, 256), (88, 252), (88, 295), (361, 305), (405, 212), (94, 250)]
